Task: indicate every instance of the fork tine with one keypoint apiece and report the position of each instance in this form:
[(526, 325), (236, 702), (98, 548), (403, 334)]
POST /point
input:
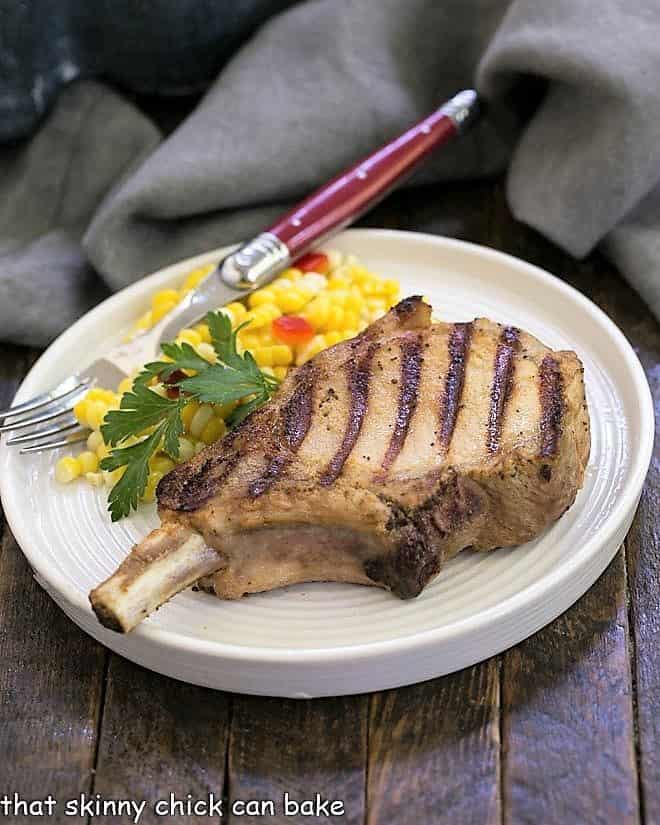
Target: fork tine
[(32, 421), (74, 438), (60, 392), (68, 424)]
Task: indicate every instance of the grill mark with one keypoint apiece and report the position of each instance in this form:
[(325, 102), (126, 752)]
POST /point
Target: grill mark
[(551, 394), (458, 346), (411, 371), (500, 391), (296, 420), (359, 375)]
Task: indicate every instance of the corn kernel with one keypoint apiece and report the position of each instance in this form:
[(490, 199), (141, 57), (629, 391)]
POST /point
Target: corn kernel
[(96, 411), (351, 319), (375, 303), (186, 449), (348, 334), (261, 296), (263, 356), (67, 469), (152, 482), (281, 355), (207, 352), (89, 462), (162, 464), (214, 430), (314, 281), (332, 338), (293, 300), (95, 479), (310, 349), (125, 385), (268, 371), (204, 333), (94, 441), (390, 286), (280, 372), (316, 312), (338, 283), (335, 318), (111, 477), (189, 412), (199, 446), (281, 284), (237, 311), (80, 411), (190, 336), (200, 420), (292, 273), (224, 410), (102, 452)]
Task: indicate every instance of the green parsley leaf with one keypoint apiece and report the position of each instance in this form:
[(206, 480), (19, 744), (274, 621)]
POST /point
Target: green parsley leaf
[(140, 409), (127, 492), (233, 378)]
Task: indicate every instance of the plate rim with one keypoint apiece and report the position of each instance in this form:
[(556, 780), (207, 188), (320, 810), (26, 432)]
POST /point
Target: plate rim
[(527, 596)]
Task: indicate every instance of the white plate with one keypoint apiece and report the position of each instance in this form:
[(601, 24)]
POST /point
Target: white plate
[(329, 639)]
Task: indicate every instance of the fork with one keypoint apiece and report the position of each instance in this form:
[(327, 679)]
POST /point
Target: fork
[(47, 422)]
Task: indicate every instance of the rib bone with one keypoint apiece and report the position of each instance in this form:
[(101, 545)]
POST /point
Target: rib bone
[(166, 562)]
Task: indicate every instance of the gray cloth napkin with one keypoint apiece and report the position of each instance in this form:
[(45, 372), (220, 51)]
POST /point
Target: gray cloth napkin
[(314, 89)]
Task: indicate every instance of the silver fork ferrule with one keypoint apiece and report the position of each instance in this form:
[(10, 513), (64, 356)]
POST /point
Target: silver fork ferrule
[(462, 109), (255, 263)]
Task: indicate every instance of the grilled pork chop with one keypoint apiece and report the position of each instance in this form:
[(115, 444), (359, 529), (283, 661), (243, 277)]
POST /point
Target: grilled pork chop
[(376, 461)]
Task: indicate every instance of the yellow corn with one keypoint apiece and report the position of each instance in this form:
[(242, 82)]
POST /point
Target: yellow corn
[(164, 298), (214, 430), (163, 309), (310, 349), (237, 312), (280, 372), (188, 414), (94, 441), (204, 333), (102, 452), (292, 274), (293, 300), (186, 449), (260, 297), (223, 410), (95, 479), (88, 461), (67, 469), (125, 385), (200, 420), (162, 464), (207, 352), (152, 482), (190, 336), (332, 338)]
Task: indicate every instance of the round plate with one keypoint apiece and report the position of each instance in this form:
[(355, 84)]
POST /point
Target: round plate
[(329, 639)]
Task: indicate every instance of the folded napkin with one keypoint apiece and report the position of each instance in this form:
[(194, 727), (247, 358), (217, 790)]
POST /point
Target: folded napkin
[(574, 114)]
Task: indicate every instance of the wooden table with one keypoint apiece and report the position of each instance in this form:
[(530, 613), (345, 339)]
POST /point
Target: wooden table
[(563, 729)]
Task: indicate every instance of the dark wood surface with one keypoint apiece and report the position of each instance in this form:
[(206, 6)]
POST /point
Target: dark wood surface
[(563, 729)]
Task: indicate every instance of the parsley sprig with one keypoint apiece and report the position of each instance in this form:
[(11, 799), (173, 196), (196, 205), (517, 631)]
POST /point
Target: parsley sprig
[(156, 420)]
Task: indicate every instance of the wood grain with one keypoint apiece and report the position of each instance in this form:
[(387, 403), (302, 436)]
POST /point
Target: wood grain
[(434, 751), (50, 679), (159, 736), (302, 748), (567, 721)]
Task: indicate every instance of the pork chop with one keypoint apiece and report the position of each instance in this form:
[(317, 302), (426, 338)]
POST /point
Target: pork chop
[(375, 462)]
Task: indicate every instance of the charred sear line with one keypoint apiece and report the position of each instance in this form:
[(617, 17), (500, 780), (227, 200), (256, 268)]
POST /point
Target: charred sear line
[(551, 394), (503, 370), (296, 419), (359, 375), (411, 371), (458, 346)]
